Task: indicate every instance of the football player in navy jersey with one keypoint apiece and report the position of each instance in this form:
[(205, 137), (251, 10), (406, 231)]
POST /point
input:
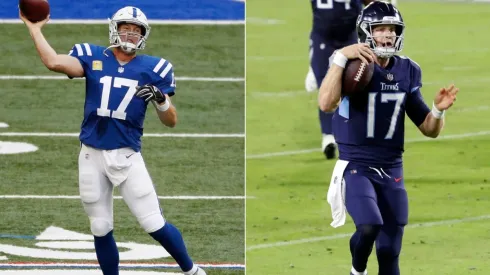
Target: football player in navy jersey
[(367, 180), (119, 86), (333, 27)]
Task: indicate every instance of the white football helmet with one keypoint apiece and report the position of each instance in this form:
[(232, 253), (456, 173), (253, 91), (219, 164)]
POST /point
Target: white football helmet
[(130, 15)]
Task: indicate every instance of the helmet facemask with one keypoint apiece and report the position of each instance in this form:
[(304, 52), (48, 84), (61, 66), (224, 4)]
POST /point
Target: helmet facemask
[(383, 51), (128, 15), (120, 38)]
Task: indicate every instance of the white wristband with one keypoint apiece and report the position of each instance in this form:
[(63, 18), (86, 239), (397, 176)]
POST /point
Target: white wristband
[(436, 113), (164, 107), (339, 59)]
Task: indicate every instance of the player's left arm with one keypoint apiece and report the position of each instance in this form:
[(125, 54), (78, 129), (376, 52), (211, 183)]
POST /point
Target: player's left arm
[(168, 116), (165, 109), (434, 121), (159, 92), (430, 122)]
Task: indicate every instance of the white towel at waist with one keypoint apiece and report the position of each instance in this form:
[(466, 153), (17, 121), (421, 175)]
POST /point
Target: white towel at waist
[(336, 194)]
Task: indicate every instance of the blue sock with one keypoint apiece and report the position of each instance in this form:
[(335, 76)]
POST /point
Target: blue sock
[(107, 254), (325, 122), (171, 239)]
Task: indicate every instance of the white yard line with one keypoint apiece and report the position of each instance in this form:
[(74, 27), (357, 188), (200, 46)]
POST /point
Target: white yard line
[(210, 79), (307, 151), (340, 236), (64, 197), (15, 268), (264, 21), (180, 135), (472, 109), (284, 153), (151, 22), (275, 95), (64, 77), (458, 68)]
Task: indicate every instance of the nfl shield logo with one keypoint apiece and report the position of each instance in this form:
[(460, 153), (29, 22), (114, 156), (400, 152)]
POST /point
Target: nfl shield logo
[(120, 70), (390, 77)]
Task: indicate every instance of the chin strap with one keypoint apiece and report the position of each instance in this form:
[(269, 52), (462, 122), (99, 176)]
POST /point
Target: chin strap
[(110, 47), (115, 46)]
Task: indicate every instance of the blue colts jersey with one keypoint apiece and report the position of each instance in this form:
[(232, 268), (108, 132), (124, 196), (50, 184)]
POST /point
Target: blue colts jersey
[(113, 117), (369, 129)]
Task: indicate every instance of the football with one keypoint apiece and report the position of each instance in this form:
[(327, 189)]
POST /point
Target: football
[(356, 77), (34, 10)]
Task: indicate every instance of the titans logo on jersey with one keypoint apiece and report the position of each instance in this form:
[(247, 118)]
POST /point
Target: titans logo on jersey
[(370, 129), (113, 117)]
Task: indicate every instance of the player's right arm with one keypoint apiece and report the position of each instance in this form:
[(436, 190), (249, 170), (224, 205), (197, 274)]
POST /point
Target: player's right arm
[(329, 94), (60, 63)]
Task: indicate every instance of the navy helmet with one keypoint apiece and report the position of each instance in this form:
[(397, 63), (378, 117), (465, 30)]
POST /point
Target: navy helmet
[(380, 13)]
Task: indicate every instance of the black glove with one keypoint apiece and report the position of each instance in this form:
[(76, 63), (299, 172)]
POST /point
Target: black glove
[(150, 92)]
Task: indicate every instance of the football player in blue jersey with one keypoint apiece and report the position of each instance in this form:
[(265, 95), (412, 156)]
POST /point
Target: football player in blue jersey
[(367, 180), (119, 86), (333, 27)]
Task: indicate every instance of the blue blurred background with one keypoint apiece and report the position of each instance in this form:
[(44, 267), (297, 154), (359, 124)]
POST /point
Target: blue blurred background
[(154, 9)]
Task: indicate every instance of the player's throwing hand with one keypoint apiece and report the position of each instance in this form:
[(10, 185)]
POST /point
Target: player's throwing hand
[(361, 51), (149, 92), (445, 97), (31, 25)]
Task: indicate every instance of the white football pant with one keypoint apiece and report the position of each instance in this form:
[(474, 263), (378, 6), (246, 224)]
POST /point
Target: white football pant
[(100, 171)]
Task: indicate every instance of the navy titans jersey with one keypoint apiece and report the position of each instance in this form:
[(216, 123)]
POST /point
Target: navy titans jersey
[(113, 117), (335, 19), (369, 129)]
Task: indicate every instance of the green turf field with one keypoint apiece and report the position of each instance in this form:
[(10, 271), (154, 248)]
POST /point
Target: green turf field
[(448, 179), (180, 166)]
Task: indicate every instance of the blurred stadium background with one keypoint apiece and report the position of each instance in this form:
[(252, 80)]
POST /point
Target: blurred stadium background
[(197, 167)]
